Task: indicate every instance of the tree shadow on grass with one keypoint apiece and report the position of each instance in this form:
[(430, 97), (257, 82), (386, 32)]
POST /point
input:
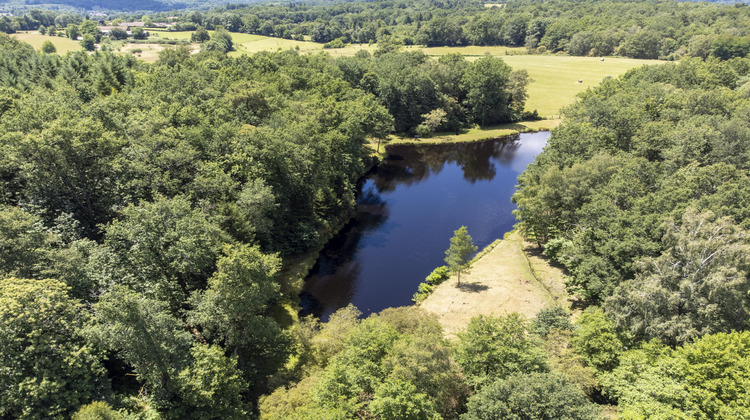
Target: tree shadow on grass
[(472, 287)]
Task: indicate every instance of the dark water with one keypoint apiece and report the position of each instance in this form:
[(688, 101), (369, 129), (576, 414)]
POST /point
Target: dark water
[(406, 214)]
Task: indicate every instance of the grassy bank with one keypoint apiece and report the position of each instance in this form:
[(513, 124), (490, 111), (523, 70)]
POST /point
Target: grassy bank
[(508, 277), (475, 134)]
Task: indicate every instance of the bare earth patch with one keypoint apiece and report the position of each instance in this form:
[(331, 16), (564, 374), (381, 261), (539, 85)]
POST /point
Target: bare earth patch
[(512, 277)]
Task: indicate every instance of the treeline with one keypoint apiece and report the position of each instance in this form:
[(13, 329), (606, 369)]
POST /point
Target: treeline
[(641, 194), (398, 364), (663, 29), (145, 210)]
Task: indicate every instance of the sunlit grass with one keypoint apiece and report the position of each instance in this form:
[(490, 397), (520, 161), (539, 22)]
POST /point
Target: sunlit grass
[(477, 133), (555, 77), (36, 40)]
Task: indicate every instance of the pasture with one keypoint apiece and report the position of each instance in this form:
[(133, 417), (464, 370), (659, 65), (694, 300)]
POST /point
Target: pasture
[(555, 77), (36, 40)]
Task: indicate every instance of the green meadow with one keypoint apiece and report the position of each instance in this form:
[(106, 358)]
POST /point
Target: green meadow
[(556, 77), (36, 40)]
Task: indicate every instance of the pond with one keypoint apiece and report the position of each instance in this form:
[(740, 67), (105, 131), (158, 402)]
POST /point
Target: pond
[(407, 210)]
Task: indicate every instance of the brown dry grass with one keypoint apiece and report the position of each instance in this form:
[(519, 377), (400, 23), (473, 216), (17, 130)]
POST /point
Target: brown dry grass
[(512, 277)]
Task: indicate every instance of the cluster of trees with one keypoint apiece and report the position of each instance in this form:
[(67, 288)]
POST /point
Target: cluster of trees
[(642, 29), (424, 95), (220, 41), (145, 210), (398, 364), (641, 194)]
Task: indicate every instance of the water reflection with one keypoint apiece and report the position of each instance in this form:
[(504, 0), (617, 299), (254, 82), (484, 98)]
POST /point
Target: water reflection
[(406, 213)]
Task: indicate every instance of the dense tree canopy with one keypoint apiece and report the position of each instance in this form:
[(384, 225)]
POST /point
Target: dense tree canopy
[(630, 160), (165, 196), (47, 368), (151, 216), (640, 29)]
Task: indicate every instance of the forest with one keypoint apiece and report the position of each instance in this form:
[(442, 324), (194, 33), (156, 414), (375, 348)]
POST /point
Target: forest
[(663, 29), (152, 216)]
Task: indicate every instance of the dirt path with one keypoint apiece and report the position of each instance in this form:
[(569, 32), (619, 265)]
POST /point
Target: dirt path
[(509, 278)]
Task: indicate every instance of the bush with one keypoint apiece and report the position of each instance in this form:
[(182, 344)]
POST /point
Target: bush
[(424, 289), (549, 318), (531, 396), (48, 47), (494, 348), (97, 410), (336, 43)]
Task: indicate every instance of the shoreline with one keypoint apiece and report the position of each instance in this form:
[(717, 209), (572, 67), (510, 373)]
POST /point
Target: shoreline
[(476, 134), (509, 275)]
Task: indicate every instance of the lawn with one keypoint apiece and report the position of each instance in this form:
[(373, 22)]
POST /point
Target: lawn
[(36, 40)]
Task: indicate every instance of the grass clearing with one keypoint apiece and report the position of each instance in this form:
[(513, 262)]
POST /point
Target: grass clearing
[(477, 133), (472, 50), (511, 277), (555, 76), (63, 45)]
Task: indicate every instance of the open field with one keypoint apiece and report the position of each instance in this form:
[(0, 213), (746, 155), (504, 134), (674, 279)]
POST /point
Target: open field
[(249, 43), (511, 277), (472, 50), (555, 76), (36, 40), (146, 52)]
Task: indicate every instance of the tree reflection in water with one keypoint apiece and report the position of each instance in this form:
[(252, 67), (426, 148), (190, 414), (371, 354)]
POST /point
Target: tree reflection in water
[(406, 211)]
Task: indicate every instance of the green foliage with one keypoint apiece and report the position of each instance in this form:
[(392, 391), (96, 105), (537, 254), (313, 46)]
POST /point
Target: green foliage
[(705, 379), (88, 42), (395, 364), (438, 276), (212, 386), (631, 157), (200, 35), (48, 47), (336, 43), (530, 396), (564, 359), (596, 339), (493, 348), (550, 318), (147, 337), (89, 27), (139, 33), (486, 94), (118, 33), (699, 285), (401, 400), (72, 164), (222, 41), (458, 255), (322, 341), (72, 32), (48, 368), (29, 250), (232, 310), (97, 410), (167, 248)]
